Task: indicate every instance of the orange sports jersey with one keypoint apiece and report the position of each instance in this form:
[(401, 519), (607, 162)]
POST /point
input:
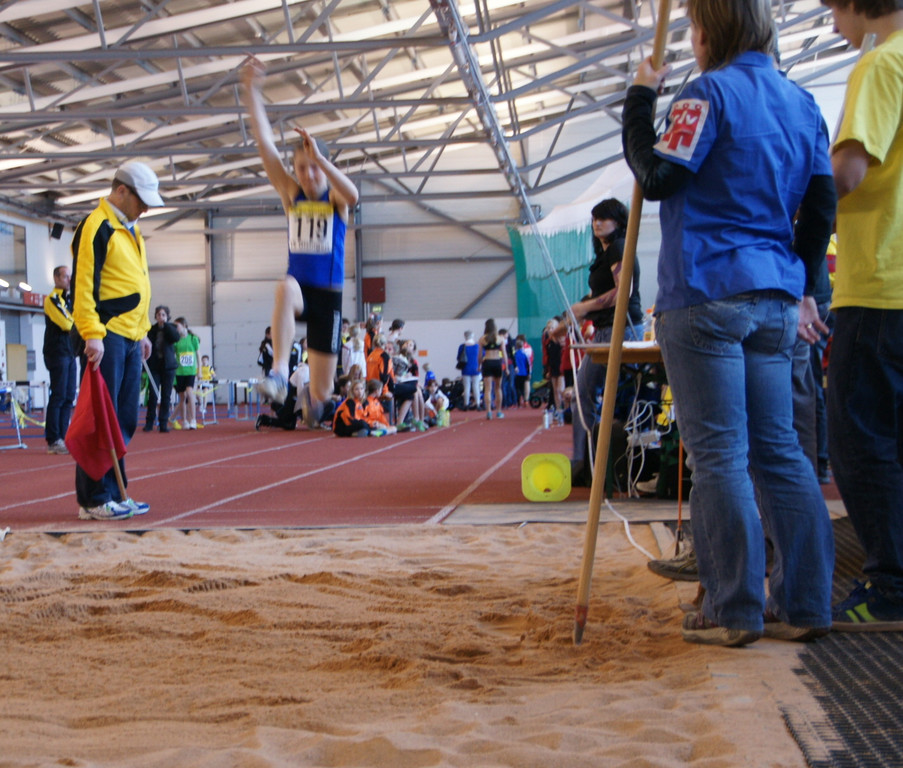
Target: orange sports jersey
[(379, 366), (349, 417), (374, 414)]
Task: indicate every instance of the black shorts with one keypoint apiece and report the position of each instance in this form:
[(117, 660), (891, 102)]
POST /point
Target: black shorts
[(183, 383), (323, 315), (404, 391), (492, 369)]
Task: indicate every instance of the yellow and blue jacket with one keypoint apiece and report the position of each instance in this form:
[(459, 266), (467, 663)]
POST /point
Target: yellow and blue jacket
[(57, 323), (110, 281)]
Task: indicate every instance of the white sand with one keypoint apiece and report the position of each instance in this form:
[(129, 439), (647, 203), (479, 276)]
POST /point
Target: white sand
[(401, 647)]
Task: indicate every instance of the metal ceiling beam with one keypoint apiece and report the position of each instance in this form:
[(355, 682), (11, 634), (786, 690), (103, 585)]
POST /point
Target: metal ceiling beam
[(43, 117), (452, 26), (167, 26), (200, 149), (30, 56)]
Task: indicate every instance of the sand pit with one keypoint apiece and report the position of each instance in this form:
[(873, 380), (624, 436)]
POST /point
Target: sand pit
[(402, 647)]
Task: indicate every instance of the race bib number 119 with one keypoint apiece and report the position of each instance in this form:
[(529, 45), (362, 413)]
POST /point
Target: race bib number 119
[(310, 227)]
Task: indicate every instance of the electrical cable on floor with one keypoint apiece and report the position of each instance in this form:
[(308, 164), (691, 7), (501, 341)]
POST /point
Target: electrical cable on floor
[(627, 530)]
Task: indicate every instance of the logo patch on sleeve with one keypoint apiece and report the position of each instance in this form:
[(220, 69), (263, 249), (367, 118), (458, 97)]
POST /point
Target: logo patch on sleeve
[(687, 118)]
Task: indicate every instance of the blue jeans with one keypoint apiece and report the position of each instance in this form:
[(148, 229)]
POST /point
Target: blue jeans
[(865, 435), (729, 366), (62, 372), (817, 351), (590, 380), (120, 368)]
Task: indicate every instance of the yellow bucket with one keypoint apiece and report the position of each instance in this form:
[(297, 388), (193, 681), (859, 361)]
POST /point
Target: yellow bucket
[(546, 477)]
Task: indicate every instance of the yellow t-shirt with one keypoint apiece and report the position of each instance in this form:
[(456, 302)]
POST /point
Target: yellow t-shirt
[(870, 218)]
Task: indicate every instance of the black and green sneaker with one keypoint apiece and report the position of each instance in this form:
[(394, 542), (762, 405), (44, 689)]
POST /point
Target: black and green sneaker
[(867, 610)]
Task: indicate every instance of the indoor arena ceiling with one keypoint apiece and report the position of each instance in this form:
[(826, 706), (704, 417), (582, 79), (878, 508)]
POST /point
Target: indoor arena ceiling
[(391, 86)]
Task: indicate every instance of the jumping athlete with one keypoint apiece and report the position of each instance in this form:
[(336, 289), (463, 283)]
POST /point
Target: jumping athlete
[(317, 206)]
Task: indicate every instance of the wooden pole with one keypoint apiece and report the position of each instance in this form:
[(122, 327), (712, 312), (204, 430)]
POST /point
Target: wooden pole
[(603, 442), (680, 496), (118, 472)]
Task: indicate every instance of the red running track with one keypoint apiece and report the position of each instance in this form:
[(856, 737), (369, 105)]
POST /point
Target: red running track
[(230, 476)]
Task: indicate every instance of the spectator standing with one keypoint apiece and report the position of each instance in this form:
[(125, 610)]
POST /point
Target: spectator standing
[(186, 349), (59, 360), (353, 350), (551, 359), (111, 296), (265, 352), (469, 355), (865, 374), (521, 372), (509, 394), (395, 329), (162, 365), (206, 383), (340, 369), (372, 328), (492, 366), (735, 261), (609, 223)]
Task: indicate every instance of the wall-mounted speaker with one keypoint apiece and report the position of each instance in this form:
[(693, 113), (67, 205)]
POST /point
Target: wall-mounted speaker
[(56, 231)]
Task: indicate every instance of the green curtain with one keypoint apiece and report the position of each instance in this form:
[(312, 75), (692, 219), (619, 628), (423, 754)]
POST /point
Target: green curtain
[(538, 295)]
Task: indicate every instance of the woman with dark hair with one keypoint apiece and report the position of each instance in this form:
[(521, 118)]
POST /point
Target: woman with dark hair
[(609, 228), (493, 361), (162, 365)]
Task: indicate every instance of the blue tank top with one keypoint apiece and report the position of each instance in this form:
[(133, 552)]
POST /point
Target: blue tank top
[(316, 243)]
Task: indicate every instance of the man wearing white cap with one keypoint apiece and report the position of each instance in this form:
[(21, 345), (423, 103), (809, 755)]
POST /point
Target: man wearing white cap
[(111, 291)]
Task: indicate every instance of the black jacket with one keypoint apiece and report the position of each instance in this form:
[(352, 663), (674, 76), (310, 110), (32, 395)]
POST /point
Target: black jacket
[(163, 353)]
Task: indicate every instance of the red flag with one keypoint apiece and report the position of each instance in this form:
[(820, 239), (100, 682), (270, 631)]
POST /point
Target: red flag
[(94, 431)]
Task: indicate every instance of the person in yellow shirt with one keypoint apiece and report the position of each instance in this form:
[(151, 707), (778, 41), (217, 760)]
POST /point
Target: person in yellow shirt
[(206, 381), (865, 372), (111, 297)]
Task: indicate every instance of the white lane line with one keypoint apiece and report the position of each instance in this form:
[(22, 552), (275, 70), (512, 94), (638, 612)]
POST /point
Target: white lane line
[(171, 471), (449, 508), (285, 481), (144, 452)]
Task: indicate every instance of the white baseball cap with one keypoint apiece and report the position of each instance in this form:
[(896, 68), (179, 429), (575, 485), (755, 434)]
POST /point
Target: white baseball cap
[(143, 180)]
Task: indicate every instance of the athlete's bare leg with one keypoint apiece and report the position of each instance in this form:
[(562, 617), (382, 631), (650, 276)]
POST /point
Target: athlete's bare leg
[(288, 305), (322, 374)]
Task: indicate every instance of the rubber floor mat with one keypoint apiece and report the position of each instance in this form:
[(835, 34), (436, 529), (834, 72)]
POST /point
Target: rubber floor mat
[(857, 680)]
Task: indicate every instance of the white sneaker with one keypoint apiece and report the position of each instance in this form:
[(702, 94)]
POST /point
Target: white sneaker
[(648, 486), (112, 510), (193, 425), (58, 448), (273, 389)]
